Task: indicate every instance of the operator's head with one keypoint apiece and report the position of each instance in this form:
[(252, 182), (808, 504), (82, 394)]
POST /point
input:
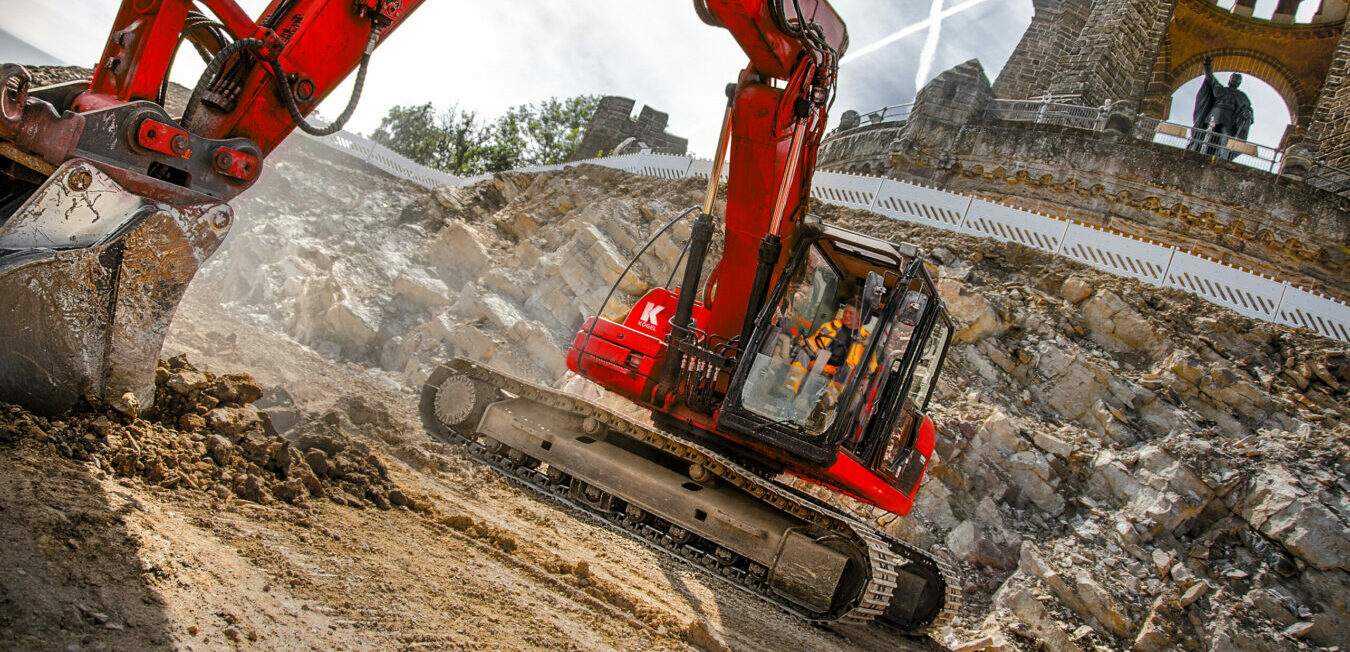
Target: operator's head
[(850, 317), (1234, 80)]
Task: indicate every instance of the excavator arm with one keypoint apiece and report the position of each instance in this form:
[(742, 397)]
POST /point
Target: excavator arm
[(109, 204), (773, 134)]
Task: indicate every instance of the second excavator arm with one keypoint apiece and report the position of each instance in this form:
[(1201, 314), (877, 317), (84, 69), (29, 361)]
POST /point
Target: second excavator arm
[(109, 204)]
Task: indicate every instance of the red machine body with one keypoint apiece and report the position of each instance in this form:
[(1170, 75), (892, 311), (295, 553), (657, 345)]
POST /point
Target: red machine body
[(776, 118)]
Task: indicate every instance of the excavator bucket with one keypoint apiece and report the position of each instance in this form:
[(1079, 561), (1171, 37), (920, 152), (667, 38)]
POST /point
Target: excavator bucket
[(92, 267)]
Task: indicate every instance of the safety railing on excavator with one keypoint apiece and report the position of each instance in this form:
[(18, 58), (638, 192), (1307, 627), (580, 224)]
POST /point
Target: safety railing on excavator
[(1244, 291)]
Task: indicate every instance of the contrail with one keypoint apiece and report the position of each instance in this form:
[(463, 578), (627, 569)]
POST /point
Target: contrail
[(930, 44), (923, 24)]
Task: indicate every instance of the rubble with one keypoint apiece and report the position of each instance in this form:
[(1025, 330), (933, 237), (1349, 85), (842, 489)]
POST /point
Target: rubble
[(204, 434), (1119, 466)]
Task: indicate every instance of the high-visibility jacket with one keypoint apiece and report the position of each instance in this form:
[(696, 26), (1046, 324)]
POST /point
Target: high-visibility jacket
[(845, 347)]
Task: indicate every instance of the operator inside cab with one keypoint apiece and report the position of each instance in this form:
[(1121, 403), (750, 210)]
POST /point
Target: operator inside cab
[(818, 344), (843, 339)]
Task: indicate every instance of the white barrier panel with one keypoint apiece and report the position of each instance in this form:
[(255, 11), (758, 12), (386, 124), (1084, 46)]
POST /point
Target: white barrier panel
[(350, 143), (469, 181), (530, 169), (391, 162), (1250, 294), (1014, 225), (626, 162), (1304, 309), (702, 167), (1116, 253), (850, 190), (665, 166), (1246, 293), (915, 203)]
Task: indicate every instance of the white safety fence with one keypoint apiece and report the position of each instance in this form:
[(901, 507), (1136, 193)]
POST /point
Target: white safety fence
[(1240, 290)]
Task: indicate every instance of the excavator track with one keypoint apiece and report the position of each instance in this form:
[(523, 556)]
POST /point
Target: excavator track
[(900, 587)]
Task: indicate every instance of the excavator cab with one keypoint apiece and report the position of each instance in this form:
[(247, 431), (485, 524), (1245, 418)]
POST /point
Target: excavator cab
[(843, 358)]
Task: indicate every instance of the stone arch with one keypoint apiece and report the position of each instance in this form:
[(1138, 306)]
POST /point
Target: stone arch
[(1295, 59), (1297, 98)]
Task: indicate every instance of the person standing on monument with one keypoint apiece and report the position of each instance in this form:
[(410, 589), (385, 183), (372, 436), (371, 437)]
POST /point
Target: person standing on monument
[(1224, 111)]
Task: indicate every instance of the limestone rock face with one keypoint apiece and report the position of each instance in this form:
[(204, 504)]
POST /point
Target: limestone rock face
[(1075, 289), (1118, 466), (1314, 531), (973, 313), (1113, 323), (393, 276)]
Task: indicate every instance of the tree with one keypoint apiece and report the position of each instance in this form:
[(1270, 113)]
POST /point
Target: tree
[(508, 142), (555, 127), (459, 142), (450, 140), (465, 140), (413, 132)]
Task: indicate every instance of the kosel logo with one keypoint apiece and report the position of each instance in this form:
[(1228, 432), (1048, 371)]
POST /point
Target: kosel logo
[(650, 312)]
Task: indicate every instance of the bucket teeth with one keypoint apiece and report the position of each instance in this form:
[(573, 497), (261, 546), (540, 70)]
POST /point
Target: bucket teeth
[(90, 276)]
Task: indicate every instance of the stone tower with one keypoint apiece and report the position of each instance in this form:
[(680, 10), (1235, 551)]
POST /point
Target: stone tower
[(612, 125), (1140, 51), (1288, 215)]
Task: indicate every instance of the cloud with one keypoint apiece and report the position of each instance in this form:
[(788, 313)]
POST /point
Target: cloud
[(488, 56)]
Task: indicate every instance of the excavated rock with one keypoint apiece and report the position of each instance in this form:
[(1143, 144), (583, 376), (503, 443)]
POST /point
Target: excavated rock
[(1119, 466), (204, 434)]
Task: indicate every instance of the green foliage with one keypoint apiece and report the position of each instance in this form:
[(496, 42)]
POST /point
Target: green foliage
[(459, 142)]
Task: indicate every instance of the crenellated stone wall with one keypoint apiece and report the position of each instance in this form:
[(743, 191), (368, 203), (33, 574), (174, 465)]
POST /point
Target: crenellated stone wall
[(612, 124)]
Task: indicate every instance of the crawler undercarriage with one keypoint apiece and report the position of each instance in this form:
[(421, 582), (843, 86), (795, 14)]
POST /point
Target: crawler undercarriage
[(804, 556)]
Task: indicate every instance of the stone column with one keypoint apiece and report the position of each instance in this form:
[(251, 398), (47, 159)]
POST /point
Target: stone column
[(1047, 43), (1117, 52), (1330, 128)]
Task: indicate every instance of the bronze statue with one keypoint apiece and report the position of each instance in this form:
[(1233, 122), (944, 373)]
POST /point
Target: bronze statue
[(1224, 111)]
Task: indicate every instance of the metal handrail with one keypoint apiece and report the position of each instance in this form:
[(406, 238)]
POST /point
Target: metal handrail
[(1047, 112), (892, 113), (1213, 143), (1329, 178)]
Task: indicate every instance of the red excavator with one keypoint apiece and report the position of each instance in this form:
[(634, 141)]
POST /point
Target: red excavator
[(109, 205), (812, 354)]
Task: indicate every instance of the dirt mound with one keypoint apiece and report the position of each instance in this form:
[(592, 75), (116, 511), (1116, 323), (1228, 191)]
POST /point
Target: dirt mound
[(204, 434)]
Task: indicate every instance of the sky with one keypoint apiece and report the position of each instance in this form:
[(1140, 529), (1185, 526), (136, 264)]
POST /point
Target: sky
[(489, 56)]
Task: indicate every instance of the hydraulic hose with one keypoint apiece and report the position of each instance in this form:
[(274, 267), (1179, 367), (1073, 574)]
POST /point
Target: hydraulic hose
[(213, 70), (193, 23), (217, 64), (288, 99)]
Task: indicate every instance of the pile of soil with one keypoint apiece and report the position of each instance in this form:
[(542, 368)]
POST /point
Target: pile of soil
[(203, 433)]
